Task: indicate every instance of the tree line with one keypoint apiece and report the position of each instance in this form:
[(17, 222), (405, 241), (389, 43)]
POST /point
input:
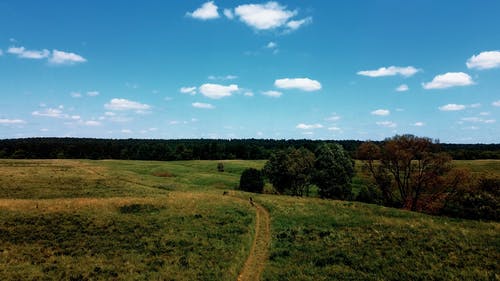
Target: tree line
[(193, 149), (404, 171)]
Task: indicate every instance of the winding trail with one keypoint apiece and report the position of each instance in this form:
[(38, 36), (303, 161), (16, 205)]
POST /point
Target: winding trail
[(259, 253)]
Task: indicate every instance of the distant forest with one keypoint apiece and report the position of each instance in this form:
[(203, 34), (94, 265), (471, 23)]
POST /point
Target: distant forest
[(192, 149)]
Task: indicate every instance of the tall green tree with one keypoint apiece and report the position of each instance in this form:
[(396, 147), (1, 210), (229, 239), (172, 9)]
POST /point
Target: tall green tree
[(290, 170), (333, 172)]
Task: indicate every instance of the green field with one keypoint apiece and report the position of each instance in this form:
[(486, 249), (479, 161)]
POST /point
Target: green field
[(146, 220)]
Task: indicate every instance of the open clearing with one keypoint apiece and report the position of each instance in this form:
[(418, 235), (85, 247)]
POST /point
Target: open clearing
[(147, 220)]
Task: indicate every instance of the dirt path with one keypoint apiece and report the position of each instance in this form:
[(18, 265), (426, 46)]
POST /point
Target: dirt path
[(256, 261)]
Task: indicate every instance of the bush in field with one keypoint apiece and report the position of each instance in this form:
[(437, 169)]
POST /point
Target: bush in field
[(333, 172), (290, 171), (480, 202), (220, 167), (252, 180), (370, 194)]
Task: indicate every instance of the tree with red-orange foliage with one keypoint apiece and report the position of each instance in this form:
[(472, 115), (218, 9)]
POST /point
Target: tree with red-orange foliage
[(410, 171)]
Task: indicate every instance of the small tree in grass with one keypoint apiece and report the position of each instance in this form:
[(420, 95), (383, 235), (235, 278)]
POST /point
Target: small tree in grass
[(252, 180)]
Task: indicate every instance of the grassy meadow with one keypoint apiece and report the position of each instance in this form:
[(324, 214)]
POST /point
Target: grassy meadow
[(148, 220)]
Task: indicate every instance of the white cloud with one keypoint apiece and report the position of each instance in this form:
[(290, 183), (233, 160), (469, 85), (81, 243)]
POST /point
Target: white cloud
[(226, 77), (50, 112), (402, 88), (202, 105), (484, 113), (216, 91), (304, 84), (12, 121), (474, 105), (109, 113), (296, 24), (333, 118), (75, 95), (273, 94), (419, 124), (92, 93), (452, 107), (124, 104), (75, 117), (496, 103), (390, 71), (271, 45), (207, 11), (188, 90), (303, 126), (21, 52), (335, 129), (126, 131), (485, 60), (92, 123), (248, 94), (229, 14), (478, 120), (60, 57), (266, 16), (447, 80), (1, 52), (381, 112), (387, 124)]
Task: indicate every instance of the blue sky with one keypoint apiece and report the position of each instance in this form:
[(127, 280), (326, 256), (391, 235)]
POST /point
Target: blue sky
[(243, 69)]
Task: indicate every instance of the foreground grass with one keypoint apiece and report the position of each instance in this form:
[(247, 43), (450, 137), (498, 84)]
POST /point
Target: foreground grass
[(85, 220), (333, 240), (128, 220)]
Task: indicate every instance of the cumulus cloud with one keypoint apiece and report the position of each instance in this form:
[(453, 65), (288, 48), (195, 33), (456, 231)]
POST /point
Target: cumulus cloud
[(92, 123), (402, 88), (202, 105), (50, 112), (266, 16), (225, 77), (126, 131), (333, 118), (335, 129), (303, 126), (188, 90), (12, 121), (296, 24), (496, 103), (447, 80), (390, 71), (248, 94), (419, 124), (228, 13), (92, 93), (381, 112), (271, 45), (485, 60), (387, 124), (452, 107), (75, 95), (61, 57), (478, 120), (22, 52), (273, 94), (216, 91), (304, 84), (124, 104), (207, 11)]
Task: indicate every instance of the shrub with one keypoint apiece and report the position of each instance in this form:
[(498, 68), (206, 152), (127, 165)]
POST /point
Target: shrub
[(370, 194), (252, 180), (220, 167), (482, 202)]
